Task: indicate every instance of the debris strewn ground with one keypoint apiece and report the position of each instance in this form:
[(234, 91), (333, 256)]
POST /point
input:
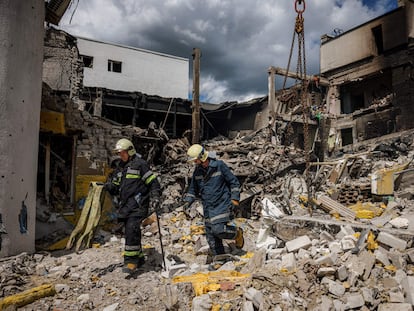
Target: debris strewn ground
[(351, 247)]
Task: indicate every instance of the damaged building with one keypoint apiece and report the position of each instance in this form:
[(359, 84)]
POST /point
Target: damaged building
[(370, 73), (364, 89), (348, 246)]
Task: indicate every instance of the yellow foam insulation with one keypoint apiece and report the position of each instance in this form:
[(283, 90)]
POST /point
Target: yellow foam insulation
[(216, 307), (194, 229), (210, 281), (371, 244), (27, 297), (366, 210), (185, 238), (247, 255), (390, 268)]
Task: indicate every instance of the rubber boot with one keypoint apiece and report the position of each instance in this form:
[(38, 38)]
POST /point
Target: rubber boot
[(239, 239)]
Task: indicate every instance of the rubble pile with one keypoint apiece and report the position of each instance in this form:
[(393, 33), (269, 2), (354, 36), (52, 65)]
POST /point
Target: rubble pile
[(351, 247)]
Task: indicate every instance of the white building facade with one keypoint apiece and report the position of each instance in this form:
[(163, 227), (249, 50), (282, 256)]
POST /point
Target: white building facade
[(130, 69)]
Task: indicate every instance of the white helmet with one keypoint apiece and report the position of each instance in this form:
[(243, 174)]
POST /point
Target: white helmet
[(125, 144), (195, 152)]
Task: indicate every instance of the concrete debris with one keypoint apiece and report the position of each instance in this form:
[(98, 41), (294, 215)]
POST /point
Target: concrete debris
[(338, 258)]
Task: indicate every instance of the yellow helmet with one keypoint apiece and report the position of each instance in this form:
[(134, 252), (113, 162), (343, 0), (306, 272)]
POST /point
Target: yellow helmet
[(125, 144), (195, 152)]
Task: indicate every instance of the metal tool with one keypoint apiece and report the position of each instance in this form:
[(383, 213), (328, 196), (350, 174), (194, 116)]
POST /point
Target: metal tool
[(360, 242), (159, 233)]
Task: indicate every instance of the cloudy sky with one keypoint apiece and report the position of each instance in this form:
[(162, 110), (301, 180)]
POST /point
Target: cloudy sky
[(239, 39)]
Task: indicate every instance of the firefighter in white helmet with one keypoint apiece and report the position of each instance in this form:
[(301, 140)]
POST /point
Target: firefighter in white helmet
[(138, 189), (219, 190)]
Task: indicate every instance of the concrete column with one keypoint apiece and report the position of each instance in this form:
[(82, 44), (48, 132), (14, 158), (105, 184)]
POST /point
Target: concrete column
[(333, 100), (21, 58), (271, 91)]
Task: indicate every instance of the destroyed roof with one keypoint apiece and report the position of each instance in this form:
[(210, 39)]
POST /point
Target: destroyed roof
[(232, 104)]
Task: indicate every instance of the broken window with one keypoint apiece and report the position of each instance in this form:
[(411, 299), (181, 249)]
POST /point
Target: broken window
[(377, 33), (346, 135), (114, 66), (87, 61)]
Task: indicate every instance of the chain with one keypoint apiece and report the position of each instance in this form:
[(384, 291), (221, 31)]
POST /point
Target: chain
[(300, 6)]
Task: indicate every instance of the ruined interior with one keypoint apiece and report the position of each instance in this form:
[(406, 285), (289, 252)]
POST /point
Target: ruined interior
[(326, 173)]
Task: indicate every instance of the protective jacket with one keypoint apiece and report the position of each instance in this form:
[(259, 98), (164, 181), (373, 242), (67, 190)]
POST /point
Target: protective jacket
[(217, 186), (137, 183)]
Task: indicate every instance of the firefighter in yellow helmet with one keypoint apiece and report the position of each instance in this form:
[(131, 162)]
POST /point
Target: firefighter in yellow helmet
[(219, 190), (138, 189)]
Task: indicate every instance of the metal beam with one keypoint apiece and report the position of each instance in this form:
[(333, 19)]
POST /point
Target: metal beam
[(294, 75)]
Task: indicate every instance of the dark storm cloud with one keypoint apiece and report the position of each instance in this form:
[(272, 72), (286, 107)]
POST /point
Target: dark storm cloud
[(239, 39)]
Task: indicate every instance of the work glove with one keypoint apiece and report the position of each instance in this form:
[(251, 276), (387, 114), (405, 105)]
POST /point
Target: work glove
[(234, 206), (110, 188), (155, 204)]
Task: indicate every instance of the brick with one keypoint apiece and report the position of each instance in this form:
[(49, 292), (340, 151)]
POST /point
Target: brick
[(396, 296), (324, 235), (335, 247), (391, 241), (254, 296), (289, 262), (395, 306), (408, 286), (382, 257), (345, 230), (325, 271), (300, 242), (334, 288), (329, 259), (227, 285), (397, 260), (368, 295), (347, 244), (354, 301), (342, 273)]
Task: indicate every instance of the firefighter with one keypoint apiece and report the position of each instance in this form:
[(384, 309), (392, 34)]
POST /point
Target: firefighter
[(219, 190), (138, 190)]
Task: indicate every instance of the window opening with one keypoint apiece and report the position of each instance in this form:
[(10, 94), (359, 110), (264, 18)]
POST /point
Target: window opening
[(114, 66), (87, 61), (377, 32), (346, 135)]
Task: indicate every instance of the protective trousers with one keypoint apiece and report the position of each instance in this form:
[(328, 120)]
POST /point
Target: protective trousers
[(215, 233), (133, 250)]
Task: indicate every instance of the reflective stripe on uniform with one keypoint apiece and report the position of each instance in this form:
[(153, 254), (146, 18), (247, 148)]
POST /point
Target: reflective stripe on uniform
[(132, 176), (132, 171), (149, 179), (133, 254), (146, 175), (216, 174), (133, 247), (218, 217), (235, 189)]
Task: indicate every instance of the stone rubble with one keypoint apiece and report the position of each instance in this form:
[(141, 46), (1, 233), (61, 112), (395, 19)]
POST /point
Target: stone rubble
[(291, 260)]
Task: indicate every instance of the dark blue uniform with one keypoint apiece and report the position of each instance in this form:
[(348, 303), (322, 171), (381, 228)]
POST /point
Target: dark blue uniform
[(217, 186), (135, 183)]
